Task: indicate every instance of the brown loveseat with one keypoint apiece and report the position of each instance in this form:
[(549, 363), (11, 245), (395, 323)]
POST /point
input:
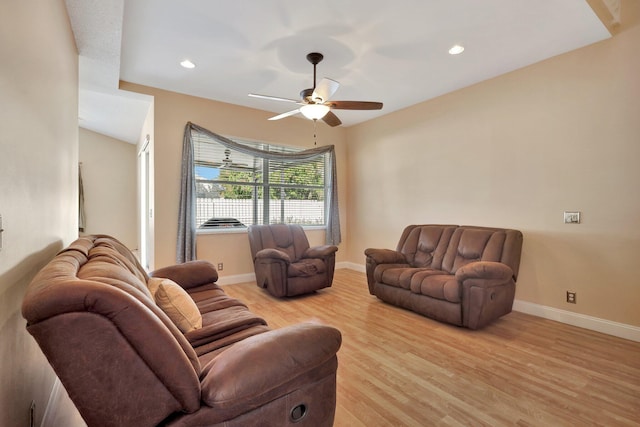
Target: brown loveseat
[(128, 358), (463, 275)]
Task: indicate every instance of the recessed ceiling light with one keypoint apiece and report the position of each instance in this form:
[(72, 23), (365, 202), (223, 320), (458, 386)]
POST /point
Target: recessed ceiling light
[(188, 64), (456, 49)]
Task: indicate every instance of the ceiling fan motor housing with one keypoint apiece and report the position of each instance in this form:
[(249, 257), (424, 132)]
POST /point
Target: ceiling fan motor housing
[(307, 95)]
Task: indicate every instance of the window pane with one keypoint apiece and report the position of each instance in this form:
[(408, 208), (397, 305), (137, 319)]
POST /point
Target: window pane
[(288, 207), (231, 187), (242, 209), (307, 173)]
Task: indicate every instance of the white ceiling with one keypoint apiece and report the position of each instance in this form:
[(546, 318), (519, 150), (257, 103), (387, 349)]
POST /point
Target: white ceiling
[(392, 52)]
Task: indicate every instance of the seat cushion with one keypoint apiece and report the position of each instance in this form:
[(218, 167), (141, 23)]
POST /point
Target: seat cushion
[(437, 284), (306, 267), (399, 277)]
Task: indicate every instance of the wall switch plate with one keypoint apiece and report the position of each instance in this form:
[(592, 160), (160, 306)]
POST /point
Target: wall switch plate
[(571, 217)]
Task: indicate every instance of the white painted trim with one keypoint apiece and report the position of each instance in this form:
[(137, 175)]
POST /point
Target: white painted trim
[(53, 399), (351, 266), (609, 327), (238, 278)]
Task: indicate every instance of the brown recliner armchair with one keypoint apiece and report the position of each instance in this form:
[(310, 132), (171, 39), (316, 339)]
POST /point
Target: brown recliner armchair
[(285, 264)]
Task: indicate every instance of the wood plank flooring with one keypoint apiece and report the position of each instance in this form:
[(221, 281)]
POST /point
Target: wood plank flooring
[(397, 368)]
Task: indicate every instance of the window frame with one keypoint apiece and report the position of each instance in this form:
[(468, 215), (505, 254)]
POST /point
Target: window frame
[(264, 185)]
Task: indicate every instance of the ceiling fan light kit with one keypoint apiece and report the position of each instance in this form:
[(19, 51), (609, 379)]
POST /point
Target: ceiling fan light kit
[(315, 104), (314, 111)]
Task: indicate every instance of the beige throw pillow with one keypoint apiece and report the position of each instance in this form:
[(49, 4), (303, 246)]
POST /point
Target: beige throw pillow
[(153, 284), (177, 304)]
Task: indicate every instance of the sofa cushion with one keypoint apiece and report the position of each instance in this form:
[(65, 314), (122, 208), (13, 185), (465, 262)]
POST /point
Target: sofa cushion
[(189, 274), (437, 284), (222, 323), (424, 281), (108, 264), (470, 244), (389, 273), (425, 245), (399, 277), (178, 306)]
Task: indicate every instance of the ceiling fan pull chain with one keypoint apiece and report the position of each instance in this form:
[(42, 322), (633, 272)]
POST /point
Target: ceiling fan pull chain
[(315, 138)]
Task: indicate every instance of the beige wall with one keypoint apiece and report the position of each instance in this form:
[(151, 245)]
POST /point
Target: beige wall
[(38, 182), (172, 112), (516, 151), (109, 180)]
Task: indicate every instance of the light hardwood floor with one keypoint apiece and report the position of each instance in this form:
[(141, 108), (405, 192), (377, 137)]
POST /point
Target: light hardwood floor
[(397, 368)]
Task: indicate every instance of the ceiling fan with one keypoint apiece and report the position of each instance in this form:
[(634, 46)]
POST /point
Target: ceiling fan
[(227, 163), (315, 103)]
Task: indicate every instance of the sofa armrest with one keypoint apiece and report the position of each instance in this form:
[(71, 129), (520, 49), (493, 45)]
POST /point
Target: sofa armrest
[(248, 374), (488, 290), (189, 274), (385, 256), (376, 257), (320, 251), (491, 271), (273, 254)]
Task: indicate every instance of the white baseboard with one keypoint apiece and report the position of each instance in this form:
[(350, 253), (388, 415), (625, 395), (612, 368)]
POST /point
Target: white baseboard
[(351, 266), (52, 404), (609, 327), (238, 278)]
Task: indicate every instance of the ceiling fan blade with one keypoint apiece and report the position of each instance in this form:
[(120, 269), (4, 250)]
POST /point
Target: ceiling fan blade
[(331, 119), (325, 89), (283, 115), (355, 105), (273, 98)]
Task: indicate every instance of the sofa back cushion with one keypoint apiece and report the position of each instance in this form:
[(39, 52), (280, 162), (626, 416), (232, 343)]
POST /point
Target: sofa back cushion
[(469, 244), (288, 238), (424, 246), (92, 288)]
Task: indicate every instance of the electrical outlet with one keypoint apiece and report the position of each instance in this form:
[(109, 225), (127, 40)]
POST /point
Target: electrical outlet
[(220, 266), (571, 297)]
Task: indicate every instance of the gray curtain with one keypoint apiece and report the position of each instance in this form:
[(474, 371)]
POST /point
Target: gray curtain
[(333, 236), (186, 248)]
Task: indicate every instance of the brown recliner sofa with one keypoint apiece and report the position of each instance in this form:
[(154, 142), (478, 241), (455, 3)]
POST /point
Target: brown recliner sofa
[(127, 359), (463, 275), (285, 264)]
